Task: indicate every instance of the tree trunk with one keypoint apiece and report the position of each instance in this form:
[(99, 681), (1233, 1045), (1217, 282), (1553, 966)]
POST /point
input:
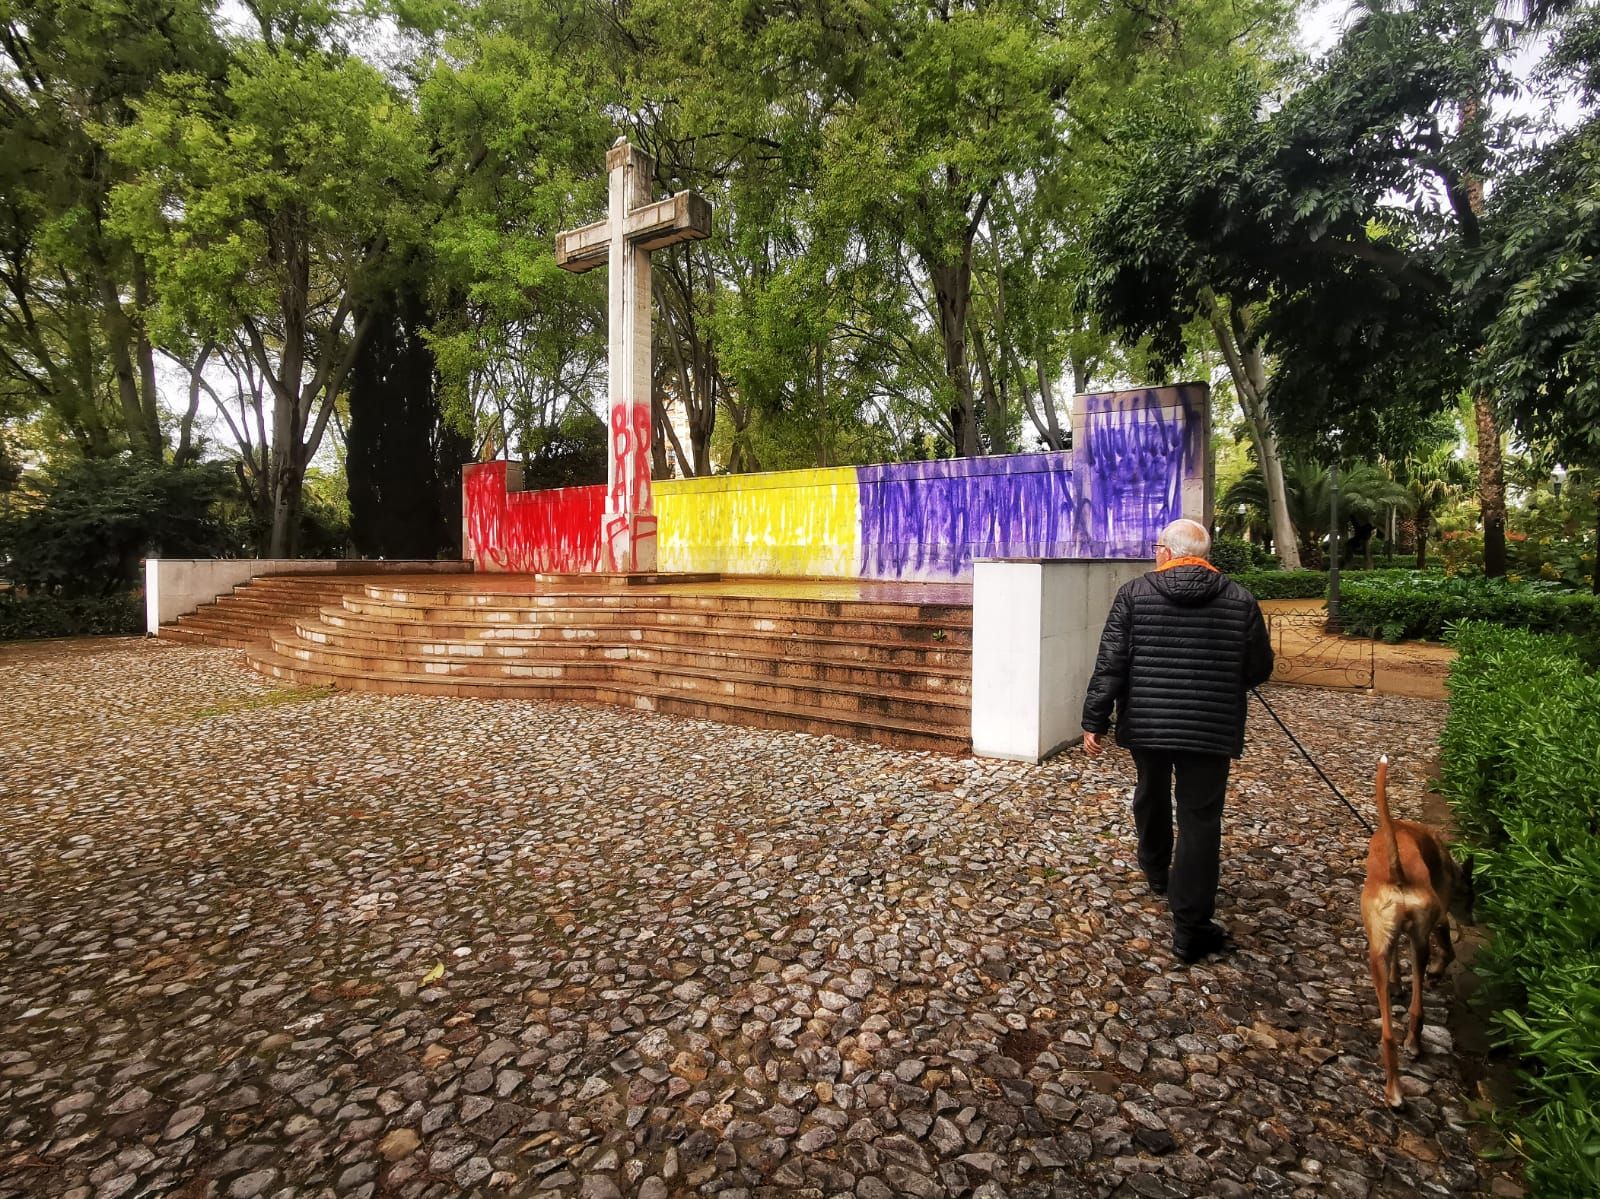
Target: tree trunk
[(186, 449), (1594, 579), (149, 401), (286, 505), (952, 286), (1422, 541), (119, 339), (1491, 488), (1249, 375)]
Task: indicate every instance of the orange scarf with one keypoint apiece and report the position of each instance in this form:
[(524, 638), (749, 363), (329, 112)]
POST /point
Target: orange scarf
[(1188, 562)]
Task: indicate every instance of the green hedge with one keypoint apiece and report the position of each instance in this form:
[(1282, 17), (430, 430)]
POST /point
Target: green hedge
[(50, 616), (1519, 754), (1283, 584), (1407, 605)]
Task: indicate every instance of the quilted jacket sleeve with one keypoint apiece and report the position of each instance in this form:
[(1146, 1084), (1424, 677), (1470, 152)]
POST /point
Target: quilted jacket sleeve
[(1258, 650), (1110, 677)]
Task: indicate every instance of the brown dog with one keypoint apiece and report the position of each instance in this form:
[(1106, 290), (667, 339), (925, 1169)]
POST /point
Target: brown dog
[(1412, 882)]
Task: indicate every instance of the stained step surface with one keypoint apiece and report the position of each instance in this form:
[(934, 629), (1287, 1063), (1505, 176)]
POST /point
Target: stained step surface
[(885, 662)]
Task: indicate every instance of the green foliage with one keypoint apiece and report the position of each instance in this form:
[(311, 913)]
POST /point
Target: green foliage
[(23, 617), (92, 522), (74, 345), (571, 453), (1283, 584), (1406, 605), (1518, 755), (1537, 278), (1231, 555), (1554, 538)]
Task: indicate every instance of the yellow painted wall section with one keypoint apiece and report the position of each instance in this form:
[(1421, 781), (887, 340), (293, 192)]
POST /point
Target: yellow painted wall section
[(793, 522)]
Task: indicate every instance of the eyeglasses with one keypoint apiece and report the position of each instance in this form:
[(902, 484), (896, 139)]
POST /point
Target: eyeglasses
[(1158, 545)]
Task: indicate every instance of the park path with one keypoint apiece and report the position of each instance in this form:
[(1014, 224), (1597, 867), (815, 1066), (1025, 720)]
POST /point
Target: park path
[(260, 942)]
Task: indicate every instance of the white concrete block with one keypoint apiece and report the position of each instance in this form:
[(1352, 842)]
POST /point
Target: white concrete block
[(1036, 627)]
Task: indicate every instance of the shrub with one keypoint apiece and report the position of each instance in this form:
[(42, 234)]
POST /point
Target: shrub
[(1518, 755), (1283, 584), (1404, 605), (1230, 554), (22, 617), (94, 520)]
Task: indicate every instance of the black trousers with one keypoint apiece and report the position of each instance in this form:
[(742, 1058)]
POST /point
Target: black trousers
[(1190, 873)]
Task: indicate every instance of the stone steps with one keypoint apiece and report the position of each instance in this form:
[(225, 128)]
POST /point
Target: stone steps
[(879, 667), (944, 631), (533, 642), (898, 732), (774, 682)]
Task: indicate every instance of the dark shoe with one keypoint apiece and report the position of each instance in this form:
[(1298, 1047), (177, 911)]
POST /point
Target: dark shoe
[(1158, 886), (1211, 940)]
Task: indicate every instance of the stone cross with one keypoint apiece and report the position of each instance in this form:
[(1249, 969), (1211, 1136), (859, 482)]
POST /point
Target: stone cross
[(633, 227)]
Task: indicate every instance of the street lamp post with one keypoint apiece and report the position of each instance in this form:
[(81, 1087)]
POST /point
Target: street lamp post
[(1335, 625)]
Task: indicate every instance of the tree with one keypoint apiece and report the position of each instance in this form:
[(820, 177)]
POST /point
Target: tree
[(1434, 479), (87, 525), (264, 202), (1346, 213), (1537, 280), (402, 459), (75, 293), (1145, 277)]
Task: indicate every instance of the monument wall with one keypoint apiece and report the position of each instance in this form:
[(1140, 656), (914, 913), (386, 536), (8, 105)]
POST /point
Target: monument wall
[(1140, 459)]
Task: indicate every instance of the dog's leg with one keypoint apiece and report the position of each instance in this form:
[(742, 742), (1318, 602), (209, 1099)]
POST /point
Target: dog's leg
[(1419, 960), (1447, 951), (1378, 961)]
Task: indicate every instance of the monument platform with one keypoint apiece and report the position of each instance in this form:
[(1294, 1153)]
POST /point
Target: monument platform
[(889, 662)]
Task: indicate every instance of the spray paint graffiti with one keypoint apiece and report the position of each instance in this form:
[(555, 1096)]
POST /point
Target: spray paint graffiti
[(1139, 462), (1137, 454), (529, 531), (929, 520), (802, 522)]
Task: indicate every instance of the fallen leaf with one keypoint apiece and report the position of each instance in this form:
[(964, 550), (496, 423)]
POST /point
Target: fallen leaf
[(433, 975)]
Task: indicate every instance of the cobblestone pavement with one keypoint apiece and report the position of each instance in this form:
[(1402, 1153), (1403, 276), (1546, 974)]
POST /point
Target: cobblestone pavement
[(261, 942)]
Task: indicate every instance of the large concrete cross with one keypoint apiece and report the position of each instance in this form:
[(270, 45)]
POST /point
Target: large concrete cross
[(633, 227)]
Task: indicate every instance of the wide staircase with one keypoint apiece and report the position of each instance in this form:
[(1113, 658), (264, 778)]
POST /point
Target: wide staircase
[(883, 663)]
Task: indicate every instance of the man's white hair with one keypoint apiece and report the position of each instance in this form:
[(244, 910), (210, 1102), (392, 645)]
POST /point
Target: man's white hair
[(1186, 539)]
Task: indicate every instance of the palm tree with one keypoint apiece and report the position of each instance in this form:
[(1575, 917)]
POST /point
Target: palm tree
[(1366, 497), (1433, 481)]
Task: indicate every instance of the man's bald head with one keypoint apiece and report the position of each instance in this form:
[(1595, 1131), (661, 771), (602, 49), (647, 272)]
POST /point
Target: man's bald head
[(1186, 539)]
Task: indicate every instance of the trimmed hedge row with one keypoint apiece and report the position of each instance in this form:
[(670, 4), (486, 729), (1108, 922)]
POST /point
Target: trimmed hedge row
[(1283, 584), (22, 617), (1410, 605), (1518, 764), (1307, 584)]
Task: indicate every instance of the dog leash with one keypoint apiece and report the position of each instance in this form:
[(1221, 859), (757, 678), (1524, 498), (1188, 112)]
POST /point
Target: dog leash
[(1365, 823)]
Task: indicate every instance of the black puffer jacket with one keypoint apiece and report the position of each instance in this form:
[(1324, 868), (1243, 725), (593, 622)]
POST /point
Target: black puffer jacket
[(1180, 650)]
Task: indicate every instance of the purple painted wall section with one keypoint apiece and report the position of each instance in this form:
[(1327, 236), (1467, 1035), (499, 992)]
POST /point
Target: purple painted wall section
[(1142, 461), (1139, 462), (922, 520)]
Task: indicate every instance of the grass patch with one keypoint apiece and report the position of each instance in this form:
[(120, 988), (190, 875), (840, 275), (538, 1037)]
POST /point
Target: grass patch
[(269, 699)]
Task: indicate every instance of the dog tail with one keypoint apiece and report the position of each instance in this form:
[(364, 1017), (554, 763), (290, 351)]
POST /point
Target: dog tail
[(1386, 823)]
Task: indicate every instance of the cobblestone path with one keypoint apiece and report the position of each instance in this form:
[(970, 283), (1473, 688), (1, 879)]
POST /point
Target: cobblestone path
[(258, 942)]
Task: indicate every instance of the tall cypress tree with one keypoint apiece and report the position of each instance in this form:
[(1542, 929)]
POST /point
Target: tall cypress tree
[(404, 461)]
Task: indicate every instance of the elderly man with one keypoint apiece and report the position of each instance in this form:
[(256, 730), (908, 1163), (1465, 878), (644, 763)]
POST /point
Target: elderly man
[(1182, 646)]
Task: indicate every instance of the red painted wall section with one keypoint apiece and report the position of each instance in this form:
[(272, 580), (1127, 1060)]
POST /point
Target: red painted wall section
[(528, 531)]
